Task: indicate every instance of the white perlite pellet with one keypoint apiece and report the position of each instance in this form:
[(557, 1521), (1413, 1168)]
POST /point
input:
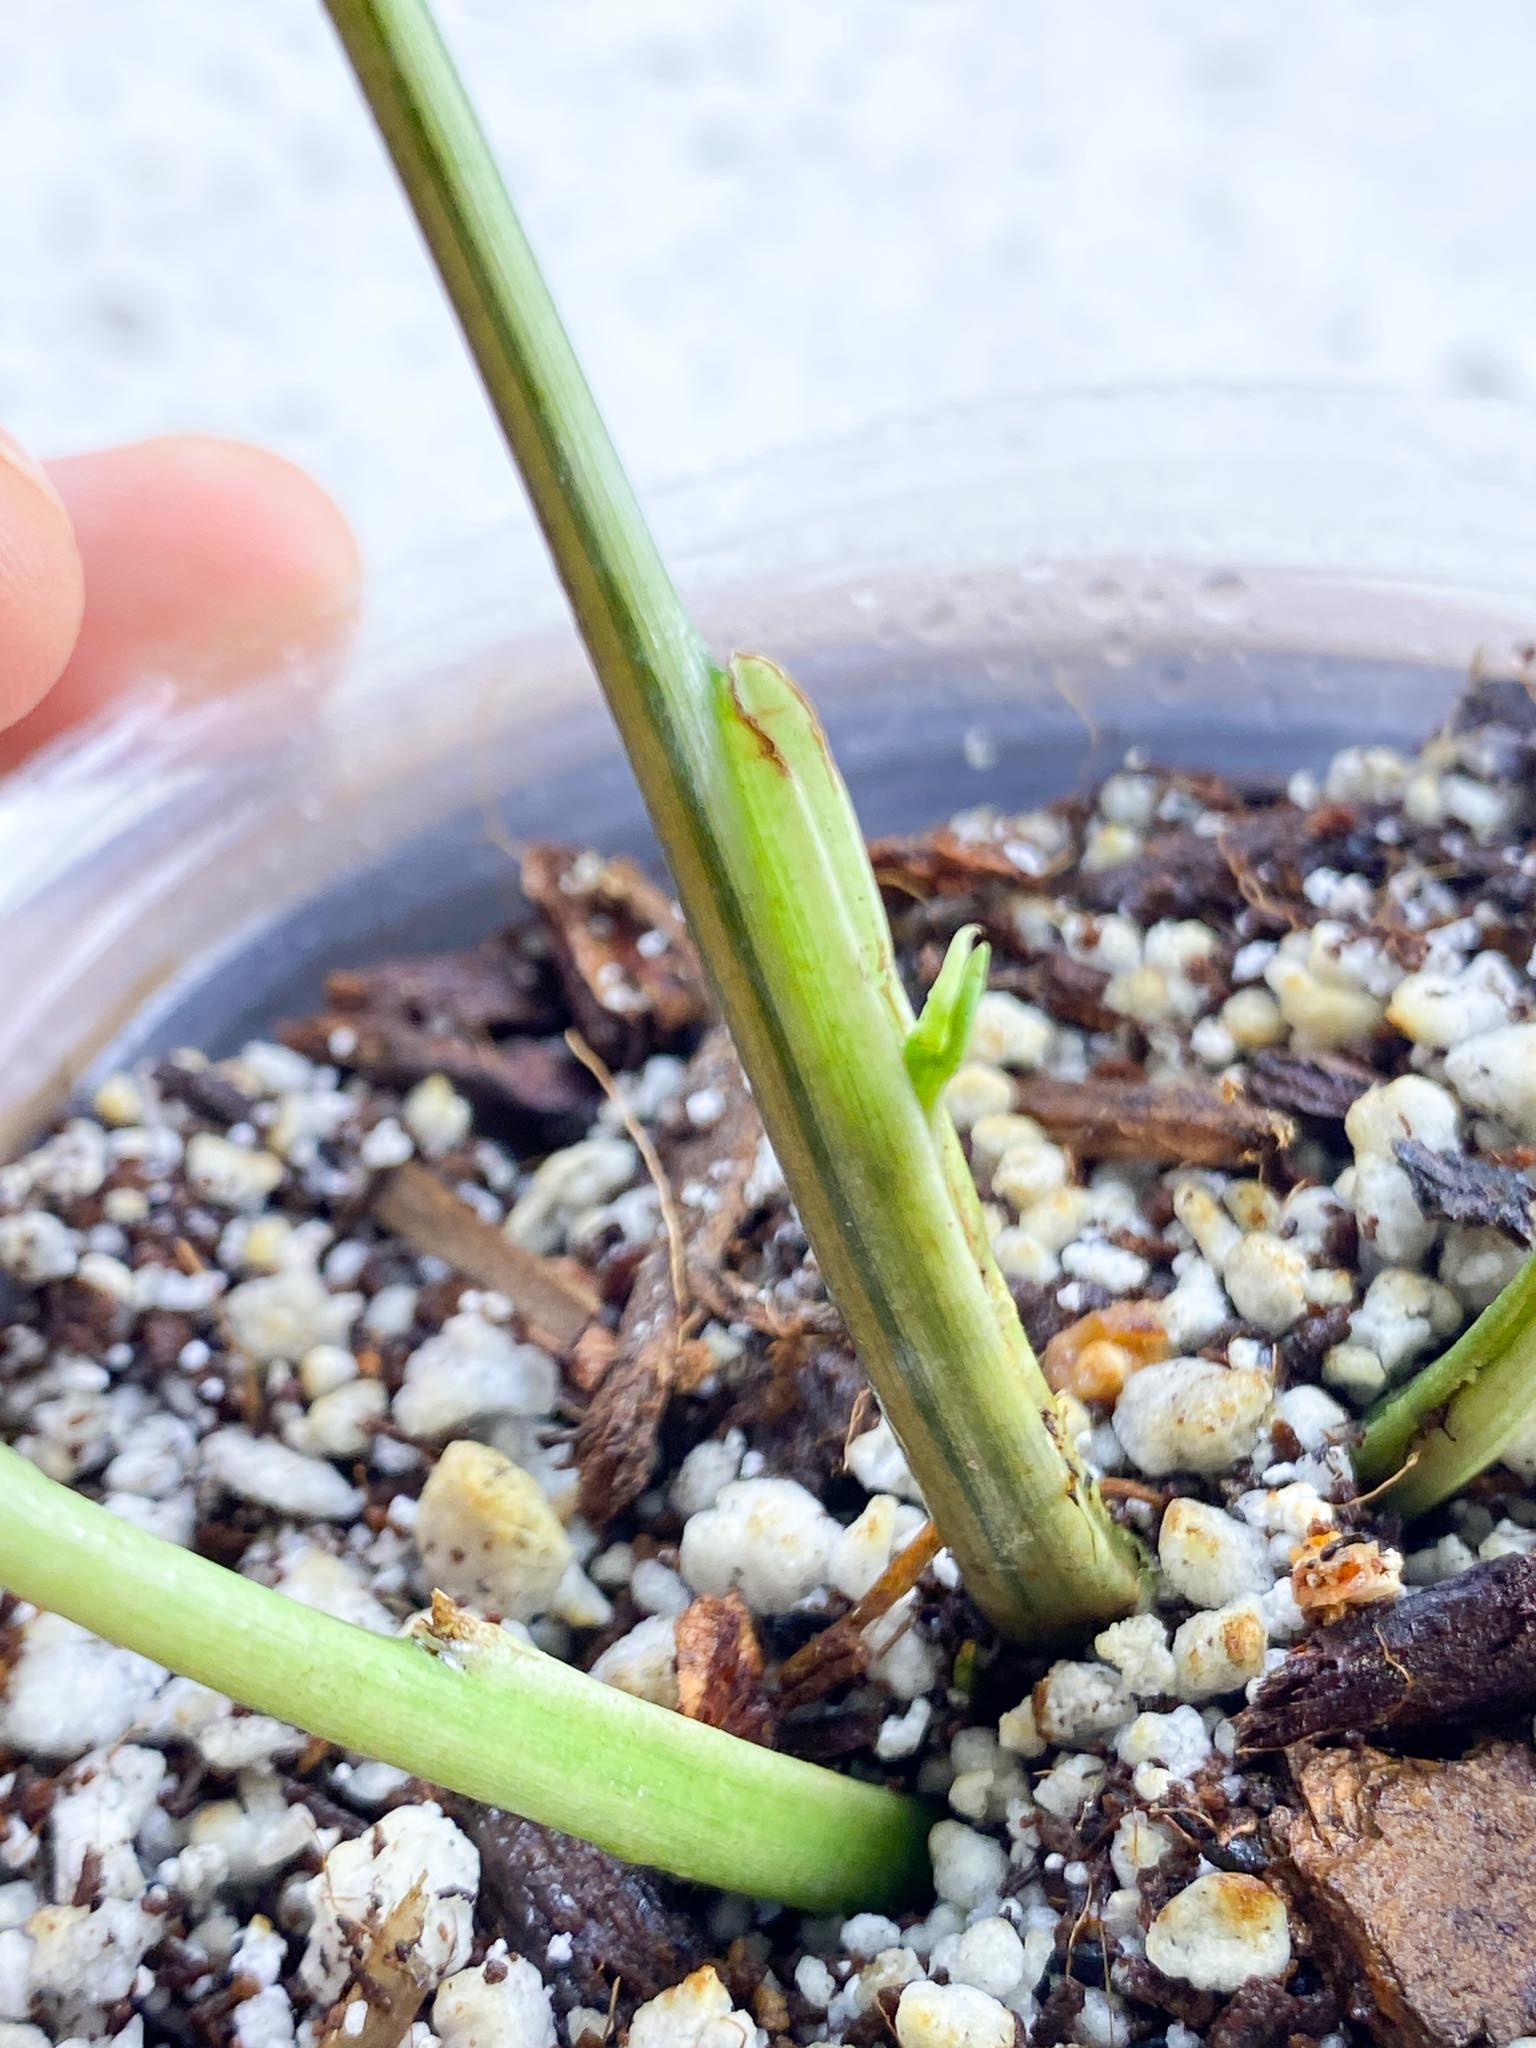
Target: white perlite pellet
[(262, 1470), (1138, 1649), (1177, 1741), (436, 1115), (952, 2016), (362, 1882), (1495, 1071), (1220, 1650), (879, 1464), (1190, 1415), (286, 1314), (1208, 1557), (35, 1247), (989, 1955), (487, 1533), (472, 1371), (767, 1539), (97, 1812), (1077, 1704), (85, 1960), (567, 1183), (1219, 1932), (644, 1662), (230, 1176), (967, 1867), (695, 2014), (68, 1693), (500, 2004), (1267, 1281)]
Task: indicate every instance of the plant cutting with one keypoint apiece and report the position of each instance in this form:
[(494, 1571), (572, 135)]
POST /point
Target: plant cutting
[(770, 865), (486, 1290)]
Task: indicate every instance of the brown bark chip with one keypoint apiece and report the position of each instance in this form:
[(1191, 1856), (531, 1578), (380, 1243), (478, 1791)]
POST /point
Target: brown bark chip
[(1175, 1125), (554, 1296), (631, 975), (941, 863), (1265, 2015), (498, 986), (1321, 1085), (1460, 1651), (1419, 1880), (720, 1669), (616, 1440), (516, 1081), (623, 1922), (1457, 1187), (1069, 989)]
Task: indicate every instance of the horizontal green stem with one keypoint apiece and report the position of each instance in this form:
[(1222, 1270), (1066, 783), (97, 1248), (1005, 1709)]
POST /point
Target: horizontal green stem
[(538, 1738), (1456, 1417), (765, 850)]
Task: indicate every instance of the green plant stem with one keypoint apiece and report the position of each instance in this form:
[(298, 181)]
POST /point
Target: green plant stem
[(777, 889), (1455, 1418), (519, 1729)]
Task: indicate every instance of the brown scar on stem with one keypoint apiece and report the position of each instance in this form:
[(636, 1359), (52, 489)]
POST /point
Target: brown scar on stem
[(768, 746)]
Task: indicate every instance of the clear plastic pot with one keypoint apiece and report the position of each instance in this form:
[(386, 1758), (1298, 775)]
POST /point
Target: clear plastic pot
[(988, 606)]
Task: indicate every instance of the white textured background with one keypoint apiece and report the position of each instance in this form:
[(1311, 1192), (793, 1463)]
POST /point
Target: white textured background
[(765, 218)]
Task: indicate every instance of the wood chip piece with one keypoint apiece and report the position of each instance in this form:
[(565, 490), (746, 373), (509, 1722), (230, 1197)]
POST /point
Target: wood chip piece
[(1067, 989), (627, 1927), (498, 986), (1319, 1084), (554, 1297), (1191, 1125), (631, 974), (616, 1440), (838, 1653), (1458, 1187), (941, 863), (385, 1981), (720, 1669), (1462, 1651), (1418, 1878), (516, 1081)]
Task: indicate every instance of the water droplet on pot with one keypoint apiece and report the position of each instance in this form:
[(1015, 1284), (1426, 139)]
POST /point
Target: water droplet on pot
[(1118, 648), (1104, 597), (979, 748), (1223, 595)]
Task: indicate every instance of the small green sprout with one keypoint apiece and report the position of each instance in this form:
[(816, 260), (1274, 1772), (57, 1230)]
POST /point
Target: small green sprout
[(937, 1041)]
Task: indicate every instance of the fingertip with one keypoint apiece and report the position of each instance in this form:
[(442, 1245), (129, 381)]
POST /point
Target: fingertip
[(209, 556), (42, 584), (207, 562)]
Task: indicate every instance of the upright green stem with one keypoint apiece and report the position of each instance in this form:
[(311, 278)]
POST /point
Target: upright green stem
[(761, 839), (514, 1727)]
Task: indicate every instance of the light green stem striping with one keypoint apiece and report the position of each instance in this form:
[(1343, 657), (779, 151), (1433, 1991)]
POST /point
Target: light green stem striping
[(769, 864), (1455, 1418), (535, 1736)]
